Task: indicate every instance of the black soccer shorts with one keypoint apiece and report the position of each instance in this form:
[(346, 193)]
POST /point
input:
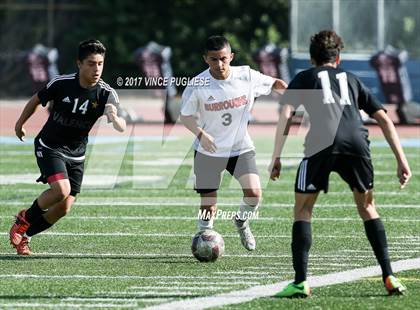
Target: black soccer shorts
[(55, 166), (208, 169), (313, 172)]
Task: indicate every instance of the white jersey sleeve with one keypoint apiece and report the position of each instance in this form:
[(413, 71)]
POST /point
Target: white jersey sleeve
[(261, 83), (190, 104)]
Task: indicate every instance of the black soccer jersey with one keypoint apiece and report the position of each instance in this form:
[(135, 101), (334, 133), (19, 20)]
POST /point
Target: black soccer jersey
[(332, 97), (74, 112)]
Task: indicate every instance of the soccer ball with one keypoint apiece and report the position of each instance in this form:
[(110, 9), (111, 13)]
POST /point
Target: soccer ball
[(207, 245)]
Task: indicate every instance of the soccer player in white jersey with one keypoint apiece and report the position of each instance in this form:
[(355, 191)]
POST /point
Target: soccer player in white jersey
[(223, 106)]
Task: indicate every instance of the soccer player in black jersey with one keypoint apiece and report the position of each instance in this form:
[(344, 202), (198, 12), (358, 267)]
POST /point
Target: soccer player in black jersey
[(336, 141), (78, 100)]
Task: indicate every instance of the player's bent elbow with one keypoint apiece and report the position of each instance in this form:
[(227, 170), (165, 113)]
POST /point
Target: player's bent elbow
[(121, 125), (382, 118)]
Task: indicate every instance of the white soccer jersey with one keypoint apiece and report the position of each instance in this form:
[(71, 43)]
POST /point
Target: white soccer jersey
[(224, 108)]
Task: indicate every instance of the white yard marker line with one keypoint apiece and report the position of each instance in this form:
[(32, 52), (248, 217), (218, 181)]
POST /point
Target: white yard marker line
[(227, 190), (255, 292), (205, 283), (391, 250), (179, 288), (114, 300), (126, 277), (194, 218), (143, 203), (154, 293), (314, 257), (66, 305), (242, 272), (407, 239)]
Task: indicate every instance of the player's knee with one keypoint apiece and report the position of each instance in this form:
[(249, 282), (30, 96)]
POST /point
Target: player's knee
[(367, 205), (65, 209), (252, 196), (61, 191), (303, 213)]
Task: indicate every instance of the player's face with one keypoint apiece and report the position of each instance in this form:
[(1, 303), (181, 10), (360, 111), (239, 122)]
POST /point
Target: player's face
[(90, 69), (219, 62)]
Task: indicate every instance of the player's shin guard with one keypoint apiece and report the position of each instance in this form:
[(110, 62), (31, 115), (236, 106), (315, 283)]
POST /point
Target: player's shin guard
[(301, 243), (34, 212), (38, 226), (375, 232)]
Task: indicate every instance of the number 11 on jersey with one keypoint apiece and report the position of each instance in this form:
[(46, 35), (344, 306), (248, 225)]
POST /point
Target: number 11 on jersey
[(326, 88)]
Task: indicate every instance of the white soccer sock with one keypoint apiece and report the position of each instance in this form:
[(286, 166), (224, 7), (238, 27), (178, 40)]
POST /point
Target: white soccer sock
[(246, 211), (203, 225)]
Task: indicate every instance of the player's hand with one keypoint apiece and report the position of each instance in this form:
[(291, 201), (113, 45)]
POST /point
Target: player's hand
[(20, 132), (274, 169), (110, 111), (403, 173), (207, 142)]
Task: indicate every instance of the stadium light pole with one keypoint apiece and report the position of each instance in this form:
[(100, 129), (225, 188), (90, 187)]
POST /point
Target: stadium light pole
[(336, 15), (50, 22), (381, 24)]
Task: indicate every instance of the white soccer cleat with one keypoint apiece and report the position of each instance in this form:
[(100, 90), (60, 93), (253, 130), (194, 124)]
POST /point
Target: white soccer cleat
[(247, 238)]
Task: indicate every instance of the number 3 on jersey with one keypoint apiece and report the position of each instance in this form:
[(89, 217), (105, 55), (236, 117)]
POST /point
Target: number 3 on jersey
[(326, 88), (227, 119), (83, 107)]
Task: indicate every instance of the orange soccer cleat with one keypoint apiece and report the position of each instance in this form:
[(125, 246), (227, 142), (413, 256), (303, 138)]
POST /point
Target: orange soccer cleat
[(18, 229)]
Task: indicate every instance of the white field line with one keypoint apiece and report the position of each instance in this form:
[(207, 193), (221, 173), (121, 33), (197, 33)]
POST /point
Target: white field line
[(242, 272), (111, 299), (67, 305), (124, 277), (255, 292), (179, 288), (181, 154), (227, 190), (88, 179), (193, 218), (205, 283), (314, 257), (391, 250), (407, 239), (286, 268), (154, 293), (117, 202)]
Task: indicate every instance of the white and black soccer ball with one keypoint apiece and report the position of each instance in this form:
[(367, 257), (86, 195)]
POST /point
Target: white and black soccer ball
[(207, 245)]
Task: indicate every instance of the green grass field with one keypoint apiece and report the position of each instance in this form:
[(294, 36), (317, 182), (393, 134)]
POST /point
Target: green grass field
[(129, 247)]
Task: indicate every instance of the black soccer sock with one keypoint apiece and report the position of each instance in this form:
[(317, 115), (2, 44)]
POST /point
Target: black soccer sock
[(34, 212), (375, 232), (301, 243), (38, 226)]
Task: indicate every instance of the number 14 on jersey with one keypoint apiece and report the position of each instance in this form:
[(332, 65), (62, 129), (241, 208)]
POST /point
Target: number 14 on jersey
[(83, 107)]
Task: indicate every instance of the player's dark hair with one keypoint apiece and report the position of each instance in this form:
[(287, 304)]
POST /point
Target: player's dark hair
[(89, 47), (325, 47), (216, 43)]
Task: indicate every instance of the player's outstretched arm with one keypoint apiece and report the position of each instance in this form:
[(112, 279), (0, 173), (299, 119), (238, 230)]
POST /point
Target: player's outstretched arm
[(118, 122), (279, 86), (390, 133), (27, 112), (282, 131), (206, 140)]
